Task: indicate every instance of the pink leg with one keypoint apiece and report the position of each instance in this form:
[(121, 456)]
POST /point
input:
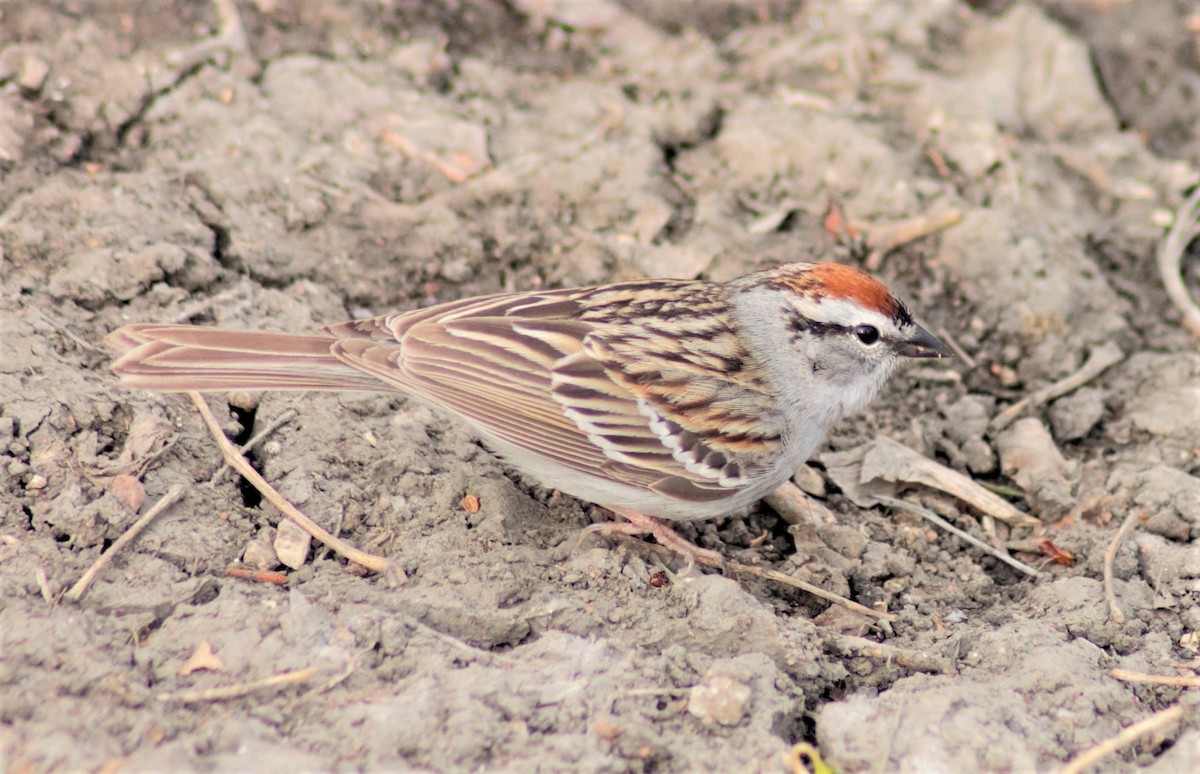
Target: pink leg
[(640, 524)]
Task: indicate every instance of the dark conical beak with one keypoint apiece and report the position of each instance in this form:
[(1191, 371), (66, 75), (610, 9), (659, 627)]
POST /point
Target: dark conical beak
[(923, 344)]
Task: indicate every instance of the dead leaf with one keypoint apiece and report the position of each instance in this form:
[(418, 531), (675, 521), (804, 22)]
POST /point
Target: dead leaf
[(202, 658), (1058, 555)]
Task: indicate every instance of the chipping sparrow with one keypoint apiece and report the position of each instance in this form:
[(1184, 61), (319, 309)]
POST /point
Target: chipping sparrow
[(655, 398)]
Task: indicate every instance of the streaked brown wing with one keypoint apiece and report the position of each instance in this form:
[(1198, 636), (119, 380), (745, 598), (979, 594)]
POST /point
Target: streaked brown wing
[(522, 369), (674, 348), (707, 400), (552, 304)]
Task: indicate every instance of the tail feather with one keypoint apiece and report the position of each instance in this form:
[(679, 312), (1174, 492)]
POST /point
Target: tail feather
[(182, 358)]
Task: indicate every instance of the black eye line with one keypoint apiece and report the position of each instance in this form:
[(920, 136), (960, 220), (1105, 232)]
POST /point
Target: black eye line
[(801, 324)]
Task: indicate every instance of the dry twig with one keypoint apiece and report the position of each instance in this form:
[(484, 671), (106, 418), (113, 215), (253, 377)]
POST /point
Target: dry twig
[(1180, 681), (1110, 553), (933, 518), (771, 575), (952, 342), (274, 682), (914, 660), (808, 588), (279, 422), (242, 466), (1102, 358), (62, 328), (883, 238), (204, 304), (796, 507), (173, 495), (230, 41), (1170, 257), (1127, 736), (467, 648), (1098, 175), (259, 576), (135, 466)]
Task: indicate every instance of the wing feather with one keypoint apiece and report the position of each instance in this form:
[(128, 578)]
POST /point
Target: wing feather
[(580, 379)]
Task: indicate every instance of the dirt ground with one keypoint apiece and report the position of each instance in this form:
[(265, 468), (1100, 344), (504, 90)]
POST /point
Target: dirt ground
[(302, 162)]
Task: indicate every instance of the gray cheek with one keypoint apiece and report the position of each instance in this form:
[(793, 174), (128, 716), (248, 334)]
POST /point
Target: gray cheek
[(844, 367)]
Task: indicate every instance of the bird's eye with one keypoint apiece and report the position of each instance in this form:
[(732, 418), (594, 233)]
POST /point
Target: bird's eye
[(867, 334)]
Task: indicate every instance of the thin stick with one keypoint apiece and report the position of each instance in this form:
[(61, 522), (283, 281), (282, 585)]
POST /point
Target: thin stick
[(945, 336), (337, 532), (882, 239), (880, 651), (135, 467), (1127, 736), (239, 463), (62, 328), (1188, 681), (43, 582), (173, 495), (1102, 358), (245, 689), (953, 530), (279, 422), (1183, 231), (230, 40), (808, 588), (203, 305), (449, 639), (261, 576), (1110, 553), (771, 575), (795, 506)]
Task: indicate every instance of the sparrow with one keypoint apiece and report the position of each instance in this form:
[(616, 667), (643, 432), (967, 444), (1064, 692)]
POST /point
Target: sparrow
[(657, 399)]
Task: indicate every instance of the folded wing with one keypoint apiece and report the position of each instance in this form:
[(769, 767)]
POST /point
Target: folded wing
[(528, 371)]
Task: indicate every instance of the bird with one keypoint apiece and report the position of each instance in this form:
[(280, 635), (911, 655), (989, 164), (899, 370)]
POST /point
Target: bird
[(661, 400)]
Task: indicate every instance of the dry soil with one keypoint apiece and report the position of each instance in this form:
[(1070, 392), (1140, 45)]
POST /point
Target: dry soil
[(288, 163)]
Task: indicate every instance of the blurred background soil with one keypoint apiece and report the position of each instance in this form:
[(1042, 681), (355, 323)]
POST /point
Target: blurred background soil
[(284, 164)]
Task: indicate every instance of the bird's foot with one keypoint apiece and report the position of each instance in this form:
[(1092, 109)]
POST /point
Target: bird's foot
[(640, 524)]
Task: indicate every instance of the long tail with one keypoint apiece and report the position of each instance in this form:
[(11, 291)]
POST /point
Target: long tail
[(181, 358)]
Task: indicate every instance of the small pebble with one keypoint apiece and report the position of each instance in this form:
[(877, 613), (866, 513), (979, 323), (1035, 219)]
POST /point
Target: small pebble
[(241, 399), (291, 545), (260, 554), (128, 491), (1074, 416), (810, 481), (32, 75), (719, 700)]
